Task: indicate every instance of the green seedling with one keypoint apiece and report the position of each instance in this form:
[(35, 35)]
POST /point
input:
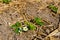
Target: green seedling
[(17, 27), (6, 1), (18, 30), (31, 26), (17, 24), (38, 21), (53, 8)]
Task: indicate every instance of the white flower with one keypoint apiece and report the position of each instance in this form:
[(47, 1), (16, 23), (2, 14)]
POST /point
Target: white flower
[(25, 29)]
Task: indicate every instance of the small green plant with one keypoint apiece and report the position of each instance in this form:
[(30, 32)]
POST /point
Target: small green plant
[(17, 24), (53, 8), (6, 1), (17, 27), (38, 21), (18, 30), (31, 26)]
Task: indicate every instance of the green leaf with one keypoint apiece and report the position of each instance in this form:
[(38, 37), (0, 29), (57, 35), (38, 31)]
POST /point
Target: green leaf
[(18, 30), (38, 21), (6, 1), (31, 26), (18, 24), (53, 8), (13, 26)]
